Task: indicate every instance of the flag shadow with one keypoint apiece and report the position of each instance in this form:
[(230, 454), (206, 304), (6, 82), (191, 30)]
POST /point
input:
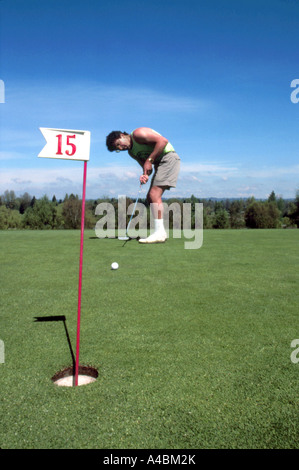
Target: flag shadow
[(59, 318)]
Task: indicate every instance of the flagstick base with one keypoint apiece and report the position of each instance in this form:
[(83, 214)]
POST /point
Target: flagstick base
[(66, 377)]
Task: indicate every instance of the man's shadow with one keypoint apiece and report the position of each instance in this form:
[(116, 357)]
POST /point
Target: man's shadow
[(59, 318)]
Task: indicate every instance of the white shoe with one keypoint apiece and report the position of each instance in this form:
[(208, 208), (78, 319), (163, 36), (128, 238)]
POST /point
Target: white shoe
[(156, 237)]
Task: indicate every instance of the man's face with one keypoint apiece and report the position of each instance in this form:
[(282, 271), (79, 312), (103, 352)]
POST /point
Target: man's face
[(122, 143)]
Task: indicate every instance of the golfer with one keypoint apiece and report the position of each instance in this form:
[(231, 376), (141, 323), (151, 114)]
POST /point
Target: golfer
[(150, 149)]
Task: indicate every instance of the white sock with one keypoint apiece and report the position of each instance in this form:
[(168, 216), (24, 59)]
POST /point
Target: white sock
[(159, 225)]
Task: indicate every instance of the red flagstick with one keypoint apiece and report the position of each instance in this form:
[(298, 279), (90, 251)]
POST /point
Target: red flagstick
[(80, 275)]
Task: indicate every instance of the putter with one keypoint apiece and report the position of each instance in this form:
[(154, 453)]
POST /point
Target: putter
[(127, 237)]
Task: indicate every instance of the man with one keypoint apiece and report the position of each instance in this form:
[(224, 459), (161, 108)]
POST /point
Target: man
[(150, 149)]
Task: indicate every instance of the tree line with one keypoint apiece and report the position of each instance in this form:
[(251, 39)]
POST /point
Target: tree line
[(27, 212)]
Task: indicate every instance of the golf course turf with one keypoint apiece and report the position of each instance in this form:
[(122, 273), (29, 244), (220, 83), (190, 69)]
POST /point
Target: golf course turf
[(192, 347)]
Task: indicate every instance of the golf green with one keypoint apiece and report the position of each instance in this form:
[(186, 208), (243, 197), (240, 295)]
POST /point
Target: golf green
[(192, 347)]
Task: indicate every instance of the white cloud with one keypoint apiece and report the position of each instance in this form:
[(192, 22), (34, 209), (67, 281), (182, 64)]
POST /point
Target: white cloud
[(12, 155), (141, 98), (91, 100), (208, 168), (273, 172), (201, 179), (194, 178), (100, 180)]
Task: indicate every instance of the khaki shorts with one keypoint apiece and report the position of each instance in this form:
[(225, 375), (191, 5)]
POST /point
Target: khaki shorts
[(167, 171)]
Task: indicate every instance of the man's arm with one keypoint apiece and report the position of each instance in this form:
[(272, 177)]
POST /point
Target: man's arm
[(144, 135), (138, 160)]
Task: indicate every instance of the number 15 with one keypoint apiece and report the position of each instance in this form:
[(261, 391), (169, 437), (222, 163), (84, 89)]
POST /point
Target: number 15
[(70, 144)]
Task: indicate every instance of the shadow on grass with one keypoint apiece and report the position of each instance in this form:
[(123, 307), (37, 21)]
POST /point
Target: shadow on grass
[(59, 318), (115, 238)]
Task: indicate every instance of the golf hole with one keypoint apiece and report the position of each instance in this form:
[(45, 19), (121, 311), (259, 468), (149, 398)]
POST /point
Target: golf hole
[(66, 377)]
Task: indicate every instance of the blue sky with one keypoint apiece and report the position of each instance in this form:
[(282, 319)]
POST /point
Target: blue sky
[(212, 76)]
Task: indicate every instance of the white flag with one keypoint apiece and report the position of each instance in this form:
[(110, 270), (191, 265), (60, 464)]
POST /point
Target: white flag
[(65, 144)]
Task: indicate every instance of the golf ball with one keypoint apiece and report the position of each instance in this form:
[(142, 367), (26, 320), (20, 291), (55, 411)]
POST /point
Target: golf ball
[(114, 266)]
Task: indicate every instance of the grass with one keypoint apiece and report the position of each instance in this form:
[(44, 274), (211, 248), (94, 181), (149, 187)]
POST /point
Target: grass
[(192, 346)]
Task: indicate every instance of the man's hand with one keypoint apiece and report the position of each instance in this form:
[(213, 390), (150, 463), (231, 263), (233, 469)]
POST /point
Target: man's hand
[(143, 179), (147, 169)]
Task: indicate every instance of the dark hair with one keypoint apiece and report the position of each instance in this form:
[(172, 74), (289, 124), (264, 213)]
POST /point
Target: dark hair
[(112, 137)]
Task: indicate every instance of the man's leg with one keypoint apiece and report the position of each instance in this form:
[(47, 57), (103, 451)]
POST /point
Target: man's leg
[(154, 197)]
